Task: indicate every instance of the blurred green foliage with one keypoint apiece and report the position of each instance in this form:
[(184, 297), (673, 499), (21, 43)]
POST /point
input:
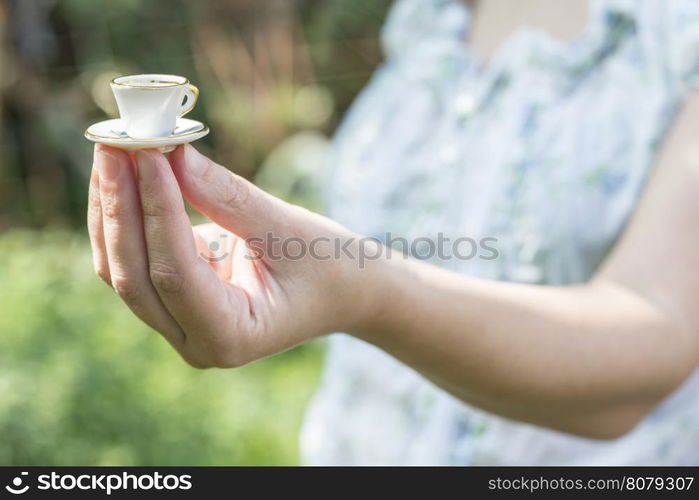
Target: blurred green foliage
[(84, 382), (81, 380)]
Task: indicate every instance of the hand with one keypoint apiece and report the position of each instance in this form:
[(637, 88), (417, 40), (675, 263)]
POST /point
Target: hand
[(219, 294)]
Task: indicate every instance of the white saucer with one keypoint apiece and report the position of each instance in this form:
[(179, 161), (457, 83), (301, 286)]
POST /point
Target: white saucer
[(111, 132)]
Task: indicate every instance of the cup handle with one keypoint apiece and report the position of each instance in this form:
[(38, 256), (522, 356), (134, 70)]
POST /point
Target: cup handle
[(191, 95)]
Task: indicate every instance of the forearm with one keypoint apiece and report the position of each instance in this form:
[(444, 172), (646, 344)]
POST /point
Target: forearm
[(589, 359)]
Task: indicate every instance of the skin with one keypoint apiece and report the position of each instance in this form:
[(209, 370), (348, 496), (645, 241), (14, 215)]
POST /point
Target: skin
[(495, 20), (589, 359)]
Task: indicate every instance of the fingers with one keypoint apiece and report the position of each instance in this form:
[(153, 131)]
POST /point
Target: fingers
[(210, 312), (215, 245), (226, 198), (94, 226), (124, 243)]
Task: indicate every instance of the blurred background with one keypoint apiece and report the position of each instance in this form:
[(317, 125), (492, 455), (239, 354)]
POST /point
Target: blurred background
[(81, 380)]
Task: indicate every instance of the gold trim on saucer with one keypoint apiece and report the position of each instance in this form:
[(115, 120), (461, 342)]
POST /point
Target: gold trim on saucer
[(126, 140)]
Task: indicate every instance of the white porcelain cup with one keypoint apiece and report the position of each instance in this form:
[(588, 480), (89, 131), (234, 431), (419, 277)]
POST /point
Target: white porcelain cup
[(149, 105)]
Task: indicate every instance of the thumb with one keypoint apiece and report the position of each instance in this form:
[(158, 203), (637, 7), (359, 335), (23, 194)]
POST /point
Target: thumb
[(226, 198)]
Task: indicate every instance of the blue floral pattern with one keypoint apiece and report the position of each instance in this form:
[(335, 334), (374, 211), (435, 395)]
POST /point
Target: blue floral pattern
[(547, 149)]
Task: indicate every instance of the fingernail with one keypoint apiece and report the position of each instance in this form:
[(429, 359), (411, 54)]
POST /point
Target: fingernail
[(147, 169), (109, 166)]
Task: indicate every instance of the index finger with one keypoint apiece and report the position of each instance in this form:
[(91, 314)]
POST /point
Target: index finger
[(192, 292)]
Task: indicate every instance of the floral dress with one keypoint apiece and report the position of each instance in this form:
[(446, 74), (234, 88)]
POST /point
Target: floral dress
[(547, 149)]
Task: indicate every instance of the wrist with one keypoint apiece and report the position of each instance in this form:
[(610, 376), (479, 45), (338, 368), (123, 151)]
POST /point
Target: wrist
[(374, 292)]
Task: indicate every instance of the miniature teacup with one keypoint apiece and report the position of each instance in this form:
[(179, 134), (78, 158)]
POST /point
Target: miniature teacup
[(149, 105)]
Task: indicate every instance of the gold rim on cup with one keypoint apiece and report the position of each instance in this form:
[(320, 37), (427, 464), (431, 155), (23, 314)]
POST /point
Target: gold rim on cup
[(113, 81)]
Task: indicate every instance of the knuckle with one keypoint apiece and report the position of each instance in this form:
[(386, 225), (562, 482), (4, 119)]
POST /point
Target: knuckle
[(112, 207), (93, 201), (126, 289), (226, 362), (209, 170), (154, 206), (166, 278), (94, 219), (236, 192), (195, 363), (220, 353)]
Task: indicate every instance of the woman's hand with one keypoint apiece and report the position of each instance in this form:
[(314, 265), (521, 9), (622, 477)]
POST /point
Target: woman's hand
[(218, 299), (591, 359)]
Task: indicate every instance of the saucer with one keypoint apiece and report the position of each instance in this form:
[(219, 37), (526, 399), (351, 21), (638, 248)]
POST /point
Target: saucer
[(112, 132)]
